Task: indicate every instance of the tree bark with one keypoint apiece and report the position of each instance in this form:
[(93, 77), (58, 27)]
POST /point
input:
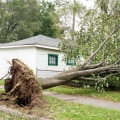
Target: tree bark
[(65, 77), (98, 49)]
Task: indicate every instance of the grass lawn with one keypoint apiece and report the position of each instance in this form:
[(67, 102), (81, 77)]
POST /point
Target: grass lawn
[(61, 110), (6, 116), (90, 92), (2, 82)]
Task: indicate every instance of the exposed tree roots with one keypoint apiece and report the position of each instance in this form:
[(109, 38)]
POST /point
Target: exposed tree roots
[(22, 85)]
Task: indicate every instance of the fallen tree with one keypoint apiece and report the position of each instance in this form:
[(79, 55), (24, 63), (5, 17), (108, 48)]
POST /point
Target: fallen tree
[(85, 70), (24, 87)]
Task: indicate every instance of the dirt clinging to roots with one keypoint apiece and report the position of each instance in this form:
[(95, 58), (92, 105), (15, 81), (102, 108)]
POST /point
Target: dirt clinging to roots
[(22, 85)]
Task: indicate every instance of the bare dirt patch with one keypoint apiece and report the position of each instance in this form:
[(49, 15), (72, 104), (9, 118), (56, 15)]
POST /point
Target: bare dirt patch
[(37, 111)]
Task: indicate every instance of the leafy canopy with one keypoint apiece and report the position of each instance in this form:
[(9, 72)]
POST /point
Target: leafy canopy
[(20, 19), (95, 26)]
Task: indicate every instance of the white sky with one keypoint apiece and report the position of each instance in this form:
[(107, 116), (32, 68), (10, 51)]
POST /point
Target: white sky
[(88, 3)]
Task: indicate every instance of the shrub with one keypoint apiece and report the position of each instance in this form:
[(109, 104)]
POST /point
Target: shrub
[(114, 83)]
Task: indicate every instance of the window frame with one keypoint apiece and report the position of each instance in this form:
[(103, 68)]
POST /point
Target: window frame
[(71, 63), (56, 59)]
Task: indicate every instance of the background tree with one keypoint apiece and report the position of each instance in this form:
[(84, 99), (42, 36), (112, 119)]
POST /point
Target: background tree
[(70, 14), (18, 19), (25, 18), (49, 20)]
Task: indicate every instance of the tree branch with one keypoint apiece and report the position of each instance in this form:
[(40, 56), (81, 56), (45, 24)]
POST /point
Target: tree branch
[(101, 64), (92, 55), (117, 62)]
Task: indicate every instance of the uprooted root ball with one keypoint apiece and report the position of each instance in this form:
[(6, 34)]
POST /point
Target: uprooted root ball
[(22, 85)]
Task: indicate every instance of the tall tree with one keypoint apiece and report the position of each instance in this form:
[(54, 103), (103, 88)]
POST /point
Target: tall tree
[(25, 18), (17, 21), (49, 20), (70, 14)]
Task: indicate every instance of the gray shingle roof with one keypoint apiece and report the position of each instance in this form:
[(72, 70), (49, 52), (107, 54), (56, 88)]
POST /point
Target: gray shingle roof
[(36, 40)]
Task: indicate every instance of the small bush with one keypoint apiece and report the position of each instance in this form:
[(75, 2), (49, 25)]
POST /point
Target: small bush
[(114, 83)]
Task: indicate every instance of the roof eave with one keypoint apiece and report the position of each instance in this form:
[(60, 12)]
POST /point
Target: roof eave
[(21, 46)]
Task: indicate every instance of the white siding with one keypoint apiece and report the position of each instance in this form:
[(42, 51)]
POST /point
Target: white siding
[(43, 69), (35, 57), (25, 54)]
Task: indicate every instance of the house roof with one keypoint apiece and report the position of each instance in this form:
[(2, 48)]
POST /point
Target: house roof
[(36, 40)]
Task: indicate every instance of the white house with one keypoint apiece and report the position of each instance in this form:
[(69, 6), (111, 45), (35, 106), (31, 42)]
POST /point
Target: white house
[(40, 53)]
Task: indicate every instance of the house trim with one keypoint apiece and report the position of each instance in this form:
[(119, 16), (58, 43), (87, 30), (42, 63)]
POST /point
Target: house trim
[(21, 46)]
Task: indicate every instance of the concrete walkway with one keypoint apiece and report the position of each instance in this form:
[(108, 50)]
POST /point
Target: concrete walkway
[(85, 100)]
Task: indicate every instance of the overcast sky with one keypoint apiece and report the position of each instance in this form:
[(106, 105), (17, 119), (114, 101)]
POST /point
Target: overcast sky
[(88, 3)]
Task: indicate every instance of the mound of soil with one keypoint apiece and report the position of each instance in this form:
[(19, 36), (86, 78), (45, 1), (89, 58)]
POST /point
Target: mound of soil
[(22, 91), (22, 86)]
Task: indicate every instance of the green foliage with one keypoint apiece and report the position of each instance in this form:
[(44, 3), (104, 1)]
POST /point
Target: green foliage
[(49, 20), (2, 82), (114, 83), (66, 9), (18, 23), (95, 26), (21, 19), (101, 84), (7, 116)]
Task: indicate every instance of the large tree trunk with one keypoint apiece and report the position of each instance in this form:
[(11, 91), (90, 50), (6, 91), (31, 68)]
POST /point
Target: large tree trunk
[(67, 76)]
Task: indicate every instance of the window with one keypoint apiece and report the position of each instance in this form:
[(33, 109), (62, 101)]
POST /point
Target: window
[(53, 59), (71, 62)]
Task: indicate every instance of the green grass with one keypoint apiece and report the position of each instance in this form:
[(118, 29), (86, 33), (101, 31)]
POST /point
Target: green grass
[(7, 116), (61, 110), (2, 82), (90, 92), (2, 91)]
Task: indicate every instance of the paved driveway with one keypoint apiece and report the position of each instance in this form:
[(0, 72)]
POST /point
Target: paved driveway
[(85, 100)]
